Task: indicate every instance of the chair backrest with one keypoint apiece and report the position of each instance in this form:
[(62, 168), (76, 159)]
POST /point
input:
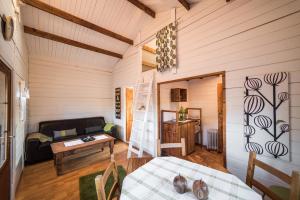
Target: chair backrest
[(134, 163), (293, 181), (171, 145), (101, 180)]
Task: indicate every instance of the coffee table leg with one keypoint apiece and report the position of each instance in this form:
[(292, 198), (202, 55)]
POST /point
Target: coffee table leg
[(111, 148), (59, 163), (54, 159)]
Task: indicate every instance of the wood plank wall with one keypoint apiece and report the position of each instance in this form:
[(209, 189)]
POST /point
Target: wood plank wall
[(14, 54), (242, 37), (62, 91)]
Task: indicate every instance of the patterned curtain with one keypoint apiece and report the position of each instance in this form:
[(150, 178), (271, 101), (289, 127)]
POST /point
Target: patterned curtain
[(166, 48)]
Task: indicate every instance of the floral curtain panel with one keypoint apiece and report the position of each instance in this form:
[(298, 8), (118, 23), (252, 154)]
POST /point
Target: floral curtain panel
[(166, 48)]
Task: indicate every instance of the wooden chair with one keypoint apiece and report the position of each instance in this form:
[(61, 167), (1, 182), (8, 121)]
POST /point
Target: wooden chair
[(101, 181), (134, 163), (293, 181), (171, 145)]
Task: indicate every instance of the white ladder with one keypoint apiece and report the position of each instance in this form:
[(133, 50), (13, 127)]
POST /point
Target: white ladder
[(141, 105)]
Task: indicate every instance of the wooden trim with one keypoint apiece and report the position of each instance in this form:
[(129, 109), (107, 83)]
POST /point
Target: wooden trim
[(185, 4), (72, 18), (286, 178), (74, 43), (159, 120), (266, 190), (129, 113), (148, 64), (295, 186), (143, 7), (250, 169), (149, 49), (224, 120), (6, 169), (194, 77)]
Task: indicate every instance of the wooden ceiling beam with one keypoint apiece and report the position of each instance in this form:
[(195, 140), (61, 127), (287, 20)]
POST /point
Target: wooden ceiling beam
[(143, 7), (74, 43), (72, 18), (185, 4), (149, 49)]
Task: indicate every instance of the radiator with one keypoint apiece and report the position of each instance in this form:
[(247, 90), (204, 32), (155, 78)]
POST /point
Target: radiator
[(212, 139)]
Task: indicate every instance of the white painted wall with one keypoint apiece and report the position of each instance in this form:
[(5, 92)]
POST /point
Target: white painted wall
[(165, 98), (14, 54), (64, 91), (242, 37)]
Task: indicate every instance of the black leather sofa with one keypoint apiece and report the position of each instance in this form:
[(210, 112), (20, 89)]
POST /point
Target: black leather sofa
[(37, 151)]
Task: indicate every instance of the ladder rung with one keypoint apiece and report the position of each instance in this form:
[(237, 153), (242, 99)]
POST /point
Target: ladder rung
[(133, 141)]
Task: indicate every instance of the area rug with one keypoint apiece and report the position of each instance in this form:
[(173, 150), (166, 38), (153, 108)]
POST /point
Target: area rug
[(87, 184)]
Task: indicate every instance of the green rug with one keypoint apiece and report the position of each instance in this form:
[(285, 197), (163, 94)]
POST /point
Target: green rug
[(87, 184)]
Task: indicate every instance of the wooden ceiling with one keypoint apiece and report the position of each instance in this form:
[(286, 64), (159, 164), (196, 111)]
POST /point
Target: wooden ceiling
[(106, 26)]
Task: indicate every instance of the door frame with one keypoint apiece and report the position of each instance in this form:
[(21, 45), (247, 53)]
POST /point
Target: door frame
[(8, 164), (128, 88), (220, 73)]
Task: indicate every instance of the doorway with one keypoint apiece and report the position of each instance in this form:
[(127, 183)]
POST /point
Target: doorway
[(5, 131), (212, 110), (129, 115)]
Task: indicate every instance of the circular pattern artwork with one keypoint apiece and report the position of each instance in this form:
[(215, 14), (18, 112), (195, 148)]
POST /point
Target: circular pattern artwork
[(266, 115)]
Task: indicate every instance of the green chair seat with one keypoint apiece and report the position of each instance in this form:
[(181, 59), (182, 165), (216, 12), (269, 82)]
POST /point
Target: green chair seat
[(282, 192)]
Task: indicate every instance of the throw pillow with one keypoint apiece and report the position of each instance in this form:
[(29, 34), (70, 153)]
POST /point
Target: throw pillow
[(64, 133), (41, 137), (108, 126), (93, 129)]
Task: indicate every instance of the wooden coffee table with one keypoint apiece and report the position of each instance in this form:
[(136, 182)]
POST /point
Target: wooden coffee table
[(63, 154)]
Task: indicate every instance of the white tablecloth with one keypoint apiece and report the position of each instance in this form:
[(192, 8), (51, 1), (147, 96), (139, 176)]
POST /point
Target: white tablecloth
[(155, 181)]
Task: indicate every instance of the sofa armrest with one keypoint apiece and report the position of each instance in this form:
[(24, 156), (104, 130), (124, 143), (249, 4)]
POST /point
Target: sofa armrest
[(36, 152), (114, 131)]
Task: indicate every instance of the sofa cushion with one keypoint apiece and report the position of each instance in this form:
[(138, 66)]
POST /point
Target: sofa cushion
[(93, 129), (41, 137), (64, 133), (47, 127), (108, 127)]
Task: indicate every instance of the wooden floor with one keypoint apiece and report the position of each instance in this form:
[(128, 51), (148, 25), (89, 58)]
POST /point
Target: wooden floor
[(40, 182)]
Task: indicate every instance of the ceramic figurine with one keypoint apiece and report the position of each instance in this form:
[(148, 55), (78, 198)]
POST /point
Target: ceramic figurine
[(200, 190), (180, 184)]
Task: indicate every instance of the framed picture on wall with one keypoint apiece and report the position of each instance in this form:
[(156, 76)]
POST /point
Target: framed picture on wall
[(118, 103)]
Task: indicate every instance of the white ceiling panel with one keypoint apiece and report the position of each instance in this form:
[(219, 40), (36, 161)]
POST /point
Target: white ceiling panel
[(118, 16)]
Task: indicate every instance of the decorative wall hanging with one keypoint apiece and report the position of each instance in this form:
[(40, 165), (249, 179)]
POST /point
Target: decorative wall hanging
[(166, 48), (7, 26), (118, 103), (266, 115)]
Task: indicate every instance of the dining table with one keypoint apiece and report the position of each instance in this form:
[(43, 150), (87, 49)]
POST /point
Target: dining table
[(154, 181)]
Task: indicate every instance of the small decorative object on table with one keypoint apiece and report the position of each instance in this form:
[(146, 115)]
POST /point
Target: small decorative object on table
[(88, 139), (180, 184), (182, 113), (200, 190)]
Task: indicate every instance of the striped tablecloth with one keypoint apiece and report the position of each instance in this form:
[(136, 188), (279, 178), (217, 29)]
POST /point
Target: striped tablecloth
[(155, 181)]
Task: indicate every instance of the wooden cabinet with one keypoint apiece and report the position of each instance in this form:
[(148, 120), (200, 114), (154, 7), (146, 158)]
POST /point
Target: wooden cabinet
[(172, 132), (178, 95)]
